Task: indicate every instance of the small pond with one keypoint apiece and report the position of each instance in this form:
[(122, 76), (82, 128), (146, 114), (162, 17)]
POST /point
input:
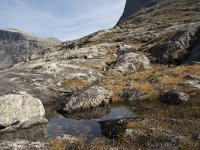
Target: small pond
[(82, 123)]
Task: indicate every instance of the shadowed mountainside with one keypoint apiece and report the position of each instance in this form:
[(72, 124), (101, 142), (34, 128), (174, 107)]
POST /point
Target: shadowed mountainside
[(133, 6), (17, 46)]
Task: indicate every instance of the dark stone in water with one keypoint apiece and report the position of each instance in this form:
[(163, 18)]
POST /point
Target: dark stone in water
[(114, 127), (88, 114)]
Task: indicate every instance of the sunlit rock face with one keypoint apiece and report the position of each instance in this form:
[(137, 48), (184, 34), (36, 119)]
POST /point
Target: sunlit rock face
[(133, 6)]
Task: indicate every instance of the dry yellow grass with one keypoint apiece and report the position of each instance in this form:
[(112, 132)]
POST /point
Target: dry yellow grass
[(170, 80), (116, 88), (166, 78), (58, 144), (134, 125), (51, 86), (80, 144), (99, 144), (187, 144), (115, 82), (149, 91), (75, 83), (185, 118), (61, 144)]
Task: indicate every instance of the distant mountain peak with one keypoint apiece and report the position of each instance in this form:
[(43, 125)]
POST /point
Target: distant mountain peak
[(13, 30), (16, 46)]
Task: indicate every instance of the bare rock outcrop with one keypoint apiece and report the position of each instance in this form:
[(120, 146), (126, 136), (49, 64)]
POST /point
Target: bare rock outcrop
[(84, 100), (130, 62), (16, 108), (180, 47)]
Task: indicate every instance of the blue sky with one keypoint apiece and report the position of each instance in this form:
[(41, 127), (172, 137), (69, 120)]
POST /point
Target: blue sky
[(63, 19)]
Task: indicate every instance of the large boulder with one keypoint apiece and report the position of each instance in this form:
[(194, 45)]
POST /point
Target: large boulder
[(15, 108), (86, 99), (174, 97), (180, 47), (131, 62)]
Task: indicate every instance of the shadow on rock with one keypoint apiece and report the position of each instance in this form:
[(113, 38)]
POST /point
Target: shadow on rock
[(34, 133)]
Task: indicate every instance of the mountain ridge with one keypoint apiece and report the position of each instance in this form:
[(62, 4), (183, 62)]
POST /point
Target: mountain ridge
[(17, 46)]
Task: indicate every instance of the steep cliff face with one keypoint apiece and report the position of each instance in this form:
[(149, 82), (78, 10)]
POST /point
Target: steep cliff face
[(17, 46), (133, 6), (11, 36)]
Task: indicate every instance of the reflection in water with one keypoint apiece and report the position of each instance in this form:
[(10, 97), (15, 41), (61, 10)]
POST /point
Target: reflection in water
[(120, 112), (97, 112), (35, 133), (57, 126), (89, 127)]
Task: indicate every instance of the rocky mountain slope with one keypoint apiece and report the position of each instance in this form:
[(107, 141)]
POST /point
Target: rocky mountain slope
[(16, 46), (150, 62), (132, 7)]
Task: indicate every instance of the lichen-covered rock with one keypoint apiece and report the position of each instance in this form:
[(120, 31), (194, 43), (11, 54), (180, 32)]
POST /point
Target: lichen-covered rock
[(97, 35), (180, 47), (131, 95), (123, 48), (193, 83), (174, 97), (84, 100), (15, 108), (23, 145), (130, 62)]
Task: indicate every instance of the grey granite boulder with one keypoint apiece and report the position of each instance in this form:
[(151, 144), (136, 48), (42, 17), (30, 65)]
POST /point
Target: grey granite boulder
[(131, 62), (180, 47), (83, 100), (16, 108), (19, 144)]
